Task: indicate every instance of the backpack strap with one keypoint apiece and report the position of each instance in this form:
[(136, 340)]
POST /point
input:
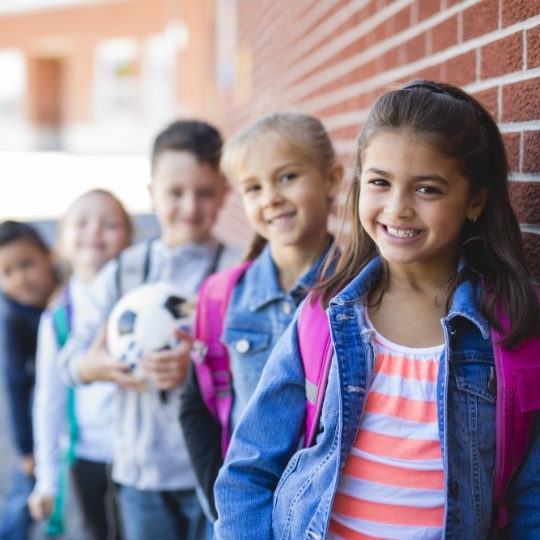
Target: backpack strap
[(316, 351), (62, 318), (518, 400), (209, 355), (133, 271)]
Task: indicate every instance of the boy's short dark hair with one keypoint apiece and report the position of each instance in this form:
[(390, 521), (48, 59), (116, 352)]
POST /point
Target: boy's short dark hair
[(13, 231), (201, 139)]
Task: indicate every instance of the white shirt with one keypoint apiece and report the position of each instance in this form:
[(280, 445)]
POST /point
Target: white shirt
[(94, 408)]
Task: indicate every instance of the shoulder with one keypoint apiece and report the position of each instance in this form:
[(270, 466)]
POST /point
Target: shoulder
[(230, 256)]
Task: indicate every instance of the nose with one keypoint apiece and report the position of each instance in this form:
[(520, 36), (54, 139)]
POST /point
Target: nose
[(398, 204), (189, 203), (271, 196)]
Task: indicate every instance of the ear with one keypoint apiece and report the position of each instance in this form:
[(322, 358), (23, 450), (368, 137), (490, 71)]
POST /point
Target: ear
[(150, 188), (225, 190), (334, 177), (477, 204)]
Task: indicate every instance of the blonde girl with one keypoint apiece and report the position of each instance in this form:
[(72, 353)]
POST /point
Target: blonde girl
[(95, 228), (286, 171)]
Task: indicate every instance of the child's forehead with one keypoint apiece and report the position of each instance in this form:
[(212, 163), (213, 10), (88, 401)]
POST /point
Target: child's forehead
[(21, 247), (183, 166)]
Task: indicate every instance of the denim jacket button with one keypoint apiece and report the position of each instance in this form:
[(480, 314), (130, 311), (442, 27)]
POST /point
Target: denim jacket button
[(286, 308), (454, 489), (242, 346)]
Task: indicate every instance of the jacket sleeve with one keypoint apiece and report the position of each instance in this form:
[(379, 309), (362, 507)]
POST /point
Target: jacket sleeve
[(50, 396), (203, 438), (88, 322), (262, 444), (523, 495), (20, 343)]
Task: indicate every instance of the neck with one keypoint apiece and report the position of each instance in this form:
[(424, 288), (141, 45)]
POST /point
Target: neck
[(420, 278), (294, 261), (85, 274)]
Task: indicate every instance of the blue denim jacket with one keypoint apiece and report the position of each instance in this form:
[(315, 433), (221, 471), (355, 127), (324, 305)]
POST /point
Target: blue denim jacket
[(257, 315), (270, 489)]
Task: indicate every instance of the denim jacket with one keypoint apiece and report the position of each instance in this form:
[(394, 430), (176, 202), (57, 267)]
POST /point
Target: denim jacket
[(257, 315), (269, 488)]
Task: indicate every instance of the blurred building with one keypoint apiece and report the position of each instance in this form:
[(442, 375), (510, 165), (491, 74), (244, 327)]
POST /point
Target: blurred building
[(104, 75), (95, 76)]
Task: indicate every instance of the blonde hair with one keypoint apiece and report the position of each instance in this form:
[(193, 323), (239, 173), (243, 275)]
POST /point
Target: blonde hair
[(300, 132), (128, 222)]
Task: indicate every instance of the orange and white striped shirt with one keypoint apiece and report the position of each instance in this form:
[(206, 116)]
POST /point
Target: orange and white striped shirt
[(392, 485)]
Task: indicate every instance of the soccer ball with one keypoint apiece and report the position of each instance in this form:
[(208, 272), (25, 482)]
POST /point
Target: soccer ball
[(144, 320)]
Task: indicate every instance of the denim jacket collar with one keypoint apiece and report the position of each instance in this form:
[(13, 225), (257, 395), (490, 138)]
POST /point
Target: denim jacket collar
[(263, 271), (466, 301)]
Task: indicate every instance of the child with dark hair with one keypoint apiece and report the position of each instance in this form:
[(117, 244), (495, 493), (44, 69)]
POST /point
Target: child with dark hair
[(150, 461), (27, 280), (406, 445)]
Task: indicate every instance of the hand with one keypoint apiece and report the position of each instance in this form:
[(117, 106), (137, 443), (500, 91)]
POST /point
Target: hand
[(98, 365), (40, 506), (27, 464), (169, 368)]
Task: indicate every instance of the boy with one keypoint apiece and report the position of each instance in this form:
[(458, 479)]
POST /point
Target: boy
[(27, 280), (150, 461)]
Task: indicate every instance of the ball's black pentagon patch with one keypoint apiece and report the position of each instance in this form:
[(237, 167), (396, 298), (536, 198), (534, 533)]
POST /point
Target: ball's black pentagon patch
[(174, 305)]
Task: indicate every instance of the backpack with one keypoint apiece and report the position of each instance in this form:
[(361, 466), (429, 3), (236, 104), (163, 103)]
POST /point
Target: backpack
[(518, 377), (61, 316), (209, 355)]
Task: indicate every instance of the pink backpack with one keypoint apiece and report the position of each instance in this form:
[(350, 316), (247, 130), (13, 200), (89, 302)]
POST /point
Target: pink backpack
[(518, 376)]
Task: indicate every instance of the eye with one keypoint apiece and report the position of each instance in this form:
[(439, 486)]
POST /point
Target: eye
[(429, 190), (251, 188), (378, 182), (206, 194), (288, 177)]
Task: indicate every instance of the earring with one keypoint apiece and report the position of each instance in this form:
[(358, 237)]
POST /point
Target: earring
[(474, 219)]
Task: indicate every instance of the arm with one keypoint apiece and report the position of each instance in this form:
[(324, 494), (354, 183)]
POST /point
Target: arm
[(523, 493), (19, 347), (49, 419), (84, 357), (262, 445), (203, 438)]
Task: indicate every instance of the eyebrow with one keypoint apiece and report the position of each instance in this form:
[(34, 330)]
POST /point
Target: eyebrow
[(277, 171), (420, 178)]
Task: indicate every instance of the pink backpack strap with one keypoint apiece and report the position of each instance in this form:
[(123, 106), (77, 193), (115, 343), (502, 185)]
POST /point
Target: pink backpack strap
[(209, 354), (316, 351), (518, 399)]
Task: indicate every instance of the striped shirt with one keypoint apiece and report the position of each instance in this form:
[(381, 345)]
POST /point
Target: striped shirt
[(392, 485)]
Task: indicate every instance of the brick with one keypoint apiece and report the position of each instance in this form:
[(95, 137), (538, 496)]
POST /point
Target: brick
[(512, 143), (397, 23), (531, 153), (533, 47), (520, 101), (514, 11), (502, 56), (444, 35), (490, 100), (531, 247), (460, 70), (433, 73), (480, 19), (426, 9), (415, 48), (525, 198)]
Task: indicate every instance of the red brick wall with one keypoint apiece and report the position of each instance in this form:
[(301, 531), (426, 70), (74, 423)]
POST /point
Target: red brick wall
[(331, 58)]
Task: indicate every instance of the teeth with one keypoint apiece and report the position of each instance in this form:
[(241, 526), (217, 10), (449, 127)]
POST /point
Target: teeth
[(399, 233)]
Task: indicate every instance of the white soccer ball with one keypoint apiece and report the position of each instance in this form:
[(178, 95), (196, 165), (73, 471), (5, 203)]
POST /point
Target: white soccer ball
[(144, 320)]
